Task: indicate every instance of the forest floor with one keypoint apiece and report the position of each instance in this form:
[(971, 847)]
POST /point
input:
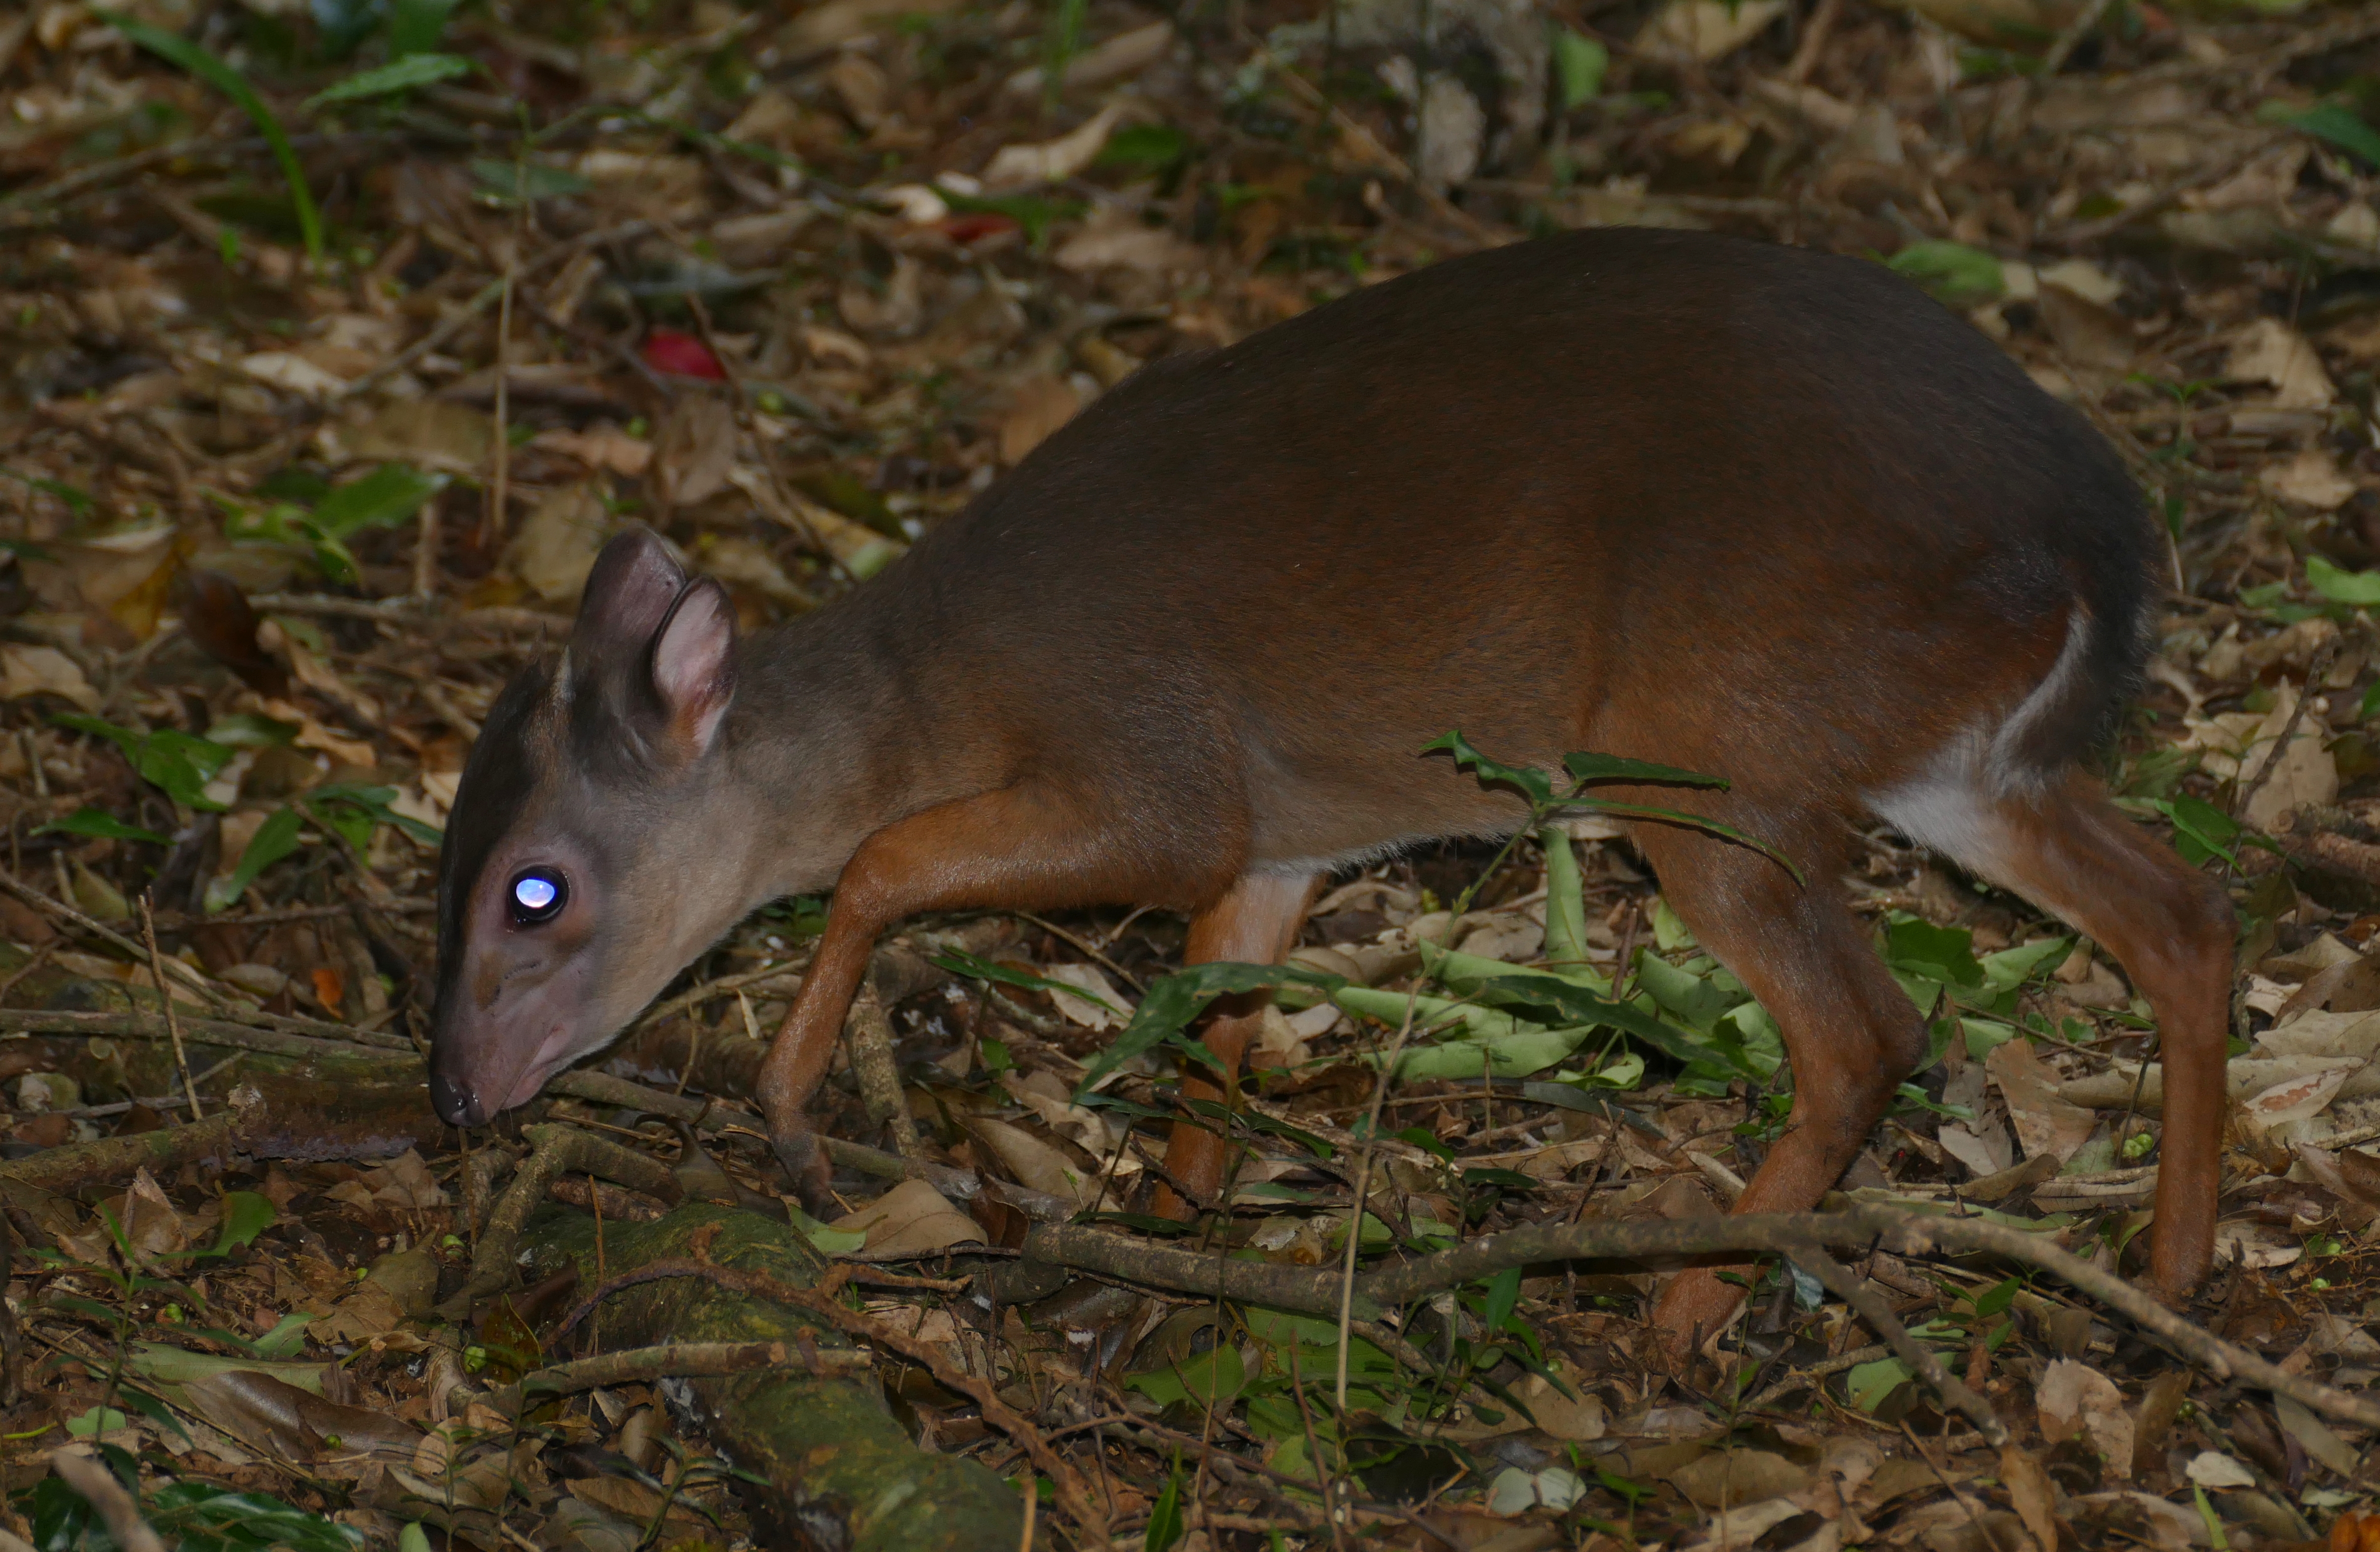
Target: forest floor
[(339, 338)]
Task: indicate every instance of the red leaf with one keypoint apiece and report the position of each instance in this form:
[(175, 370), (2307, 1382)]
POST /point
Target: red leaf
[(681, 355), (964, 229)]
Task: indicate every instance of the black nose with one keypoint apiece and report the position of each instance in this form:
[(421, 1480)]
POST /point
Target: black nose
[(457, 1104)]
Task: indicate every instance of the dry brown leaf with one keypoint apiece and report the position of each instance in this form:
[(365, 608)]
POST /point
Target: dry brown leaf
[(1706, 29), (29, 670), (1027, 166), (2304, 773), (2311, 479), (2073, 1396), (1039, 407), (2043, 1122), (2269, 351), (1034, 1163), (912, 1219), (557, 542), (693, 451), (2031, 1493)]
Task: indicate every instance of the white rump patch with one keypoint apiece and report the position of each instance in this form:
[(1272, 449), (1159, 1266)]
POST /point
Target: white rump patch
[(1949, 808)]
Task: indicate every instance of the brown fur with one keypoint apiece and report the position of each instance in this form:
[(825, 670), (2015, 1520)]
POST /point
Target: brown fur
[(1727, 506)]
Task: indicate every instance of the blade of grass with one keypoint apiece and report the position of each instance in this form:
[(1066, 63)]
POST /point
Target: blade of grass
[(179, 50)]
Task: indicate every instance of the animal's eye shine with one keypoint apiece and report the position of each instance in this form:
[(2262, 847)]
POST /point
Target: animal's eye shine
[(536, 894)]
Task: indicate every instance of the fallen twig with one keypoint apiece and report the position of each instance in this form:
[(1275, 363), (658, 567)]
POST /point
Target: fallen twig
[(166, 1149), (556, 1150), (1903, 1232), (644, 1364)]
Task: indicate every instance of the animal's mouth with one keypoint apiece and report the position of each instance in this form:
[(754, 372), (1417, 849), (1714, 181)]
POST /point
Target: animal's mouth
[(553, 1055)]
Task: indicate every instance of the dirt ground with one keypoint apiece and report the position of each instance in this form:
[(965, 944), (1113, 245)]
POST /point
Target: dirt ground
[(340, 335)]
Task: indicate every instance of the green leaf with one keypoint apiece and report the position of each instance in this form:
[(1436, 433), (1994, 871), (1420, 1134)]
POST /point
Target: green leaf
[(78, 502), (381, 498), (96, 1421), (364, 806), (415, 26), (151, 1408), (1580, 64), (511, 183), (246, 1214), (104, 826), (1215, 1376), (1576, 1004), (1588, 768), (2359, 587), (274, 839), (1534, 785), (287, 1339), (1171, 1004), (1868, 1385), (2337, 123), (1506, 1056), (2010, 968), (1165, 1524), (1941, 954), (1565, 899), (1151, 147), (179, 50), (1696, 821), (249, 730), (1503, 1293), (958, 962), (398, 75), (2200, 829), (202, 1516), (1954, 273), (175, 762)]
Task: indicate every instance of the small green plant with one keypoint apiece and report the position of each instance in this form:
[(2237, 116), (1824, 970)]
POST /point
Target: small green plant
[(179, 50)]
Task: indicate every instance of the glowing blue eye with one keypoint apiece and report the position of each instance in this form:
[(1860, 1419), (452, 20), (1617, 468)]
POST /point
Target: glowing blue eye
[(537, 895)]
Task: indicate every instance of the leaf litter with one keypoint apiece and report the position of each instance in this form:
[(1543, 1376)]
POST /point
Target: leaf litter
[(342, 336)]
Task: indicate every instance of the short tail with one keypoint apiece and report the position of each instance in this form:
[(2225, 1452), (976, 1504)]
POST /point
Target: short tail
[(2110, 632)]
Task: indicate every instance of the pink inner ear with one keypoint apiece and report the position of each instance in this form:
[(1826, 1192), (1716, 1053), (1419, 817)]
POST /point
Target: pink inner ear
[(693, 659)]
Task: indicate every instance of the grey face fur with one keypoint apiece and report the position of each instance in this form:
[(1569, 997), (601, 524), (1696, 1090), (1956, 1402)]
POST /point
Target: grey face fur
[(605, 778)]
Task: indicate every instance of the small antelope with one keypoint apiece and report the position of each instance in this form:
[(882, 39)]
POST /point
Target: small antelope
[(1723, 505)]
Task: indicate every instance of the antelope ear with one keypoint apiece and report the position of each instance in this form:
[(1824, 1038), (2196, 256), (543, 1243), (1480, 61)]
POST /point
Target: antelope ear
[(693, 665), (627, 596)]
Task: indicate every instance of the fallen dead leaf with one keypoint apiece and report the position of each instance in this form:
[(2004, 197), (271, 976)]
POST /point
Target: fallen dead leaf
[(1038, 408), (30, 670), (912, 1219), (2072, 1396)]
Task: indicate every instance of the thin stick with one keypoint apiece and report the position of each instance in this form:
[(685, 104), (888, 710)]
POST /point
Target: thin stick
[(1814, 39), (108, 935), (1363, 1189), (165, 1000), (1323, 1475), (1864, 1300), (2055, 60), (669, 1360), (2316, 671), (491, 524)]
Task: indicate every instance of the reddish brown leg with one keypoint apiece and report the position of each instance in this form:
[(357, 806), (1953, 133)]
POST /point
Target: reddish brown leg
[(1851, 1032), (1256, 923), (1021, 848), (2070, 852)]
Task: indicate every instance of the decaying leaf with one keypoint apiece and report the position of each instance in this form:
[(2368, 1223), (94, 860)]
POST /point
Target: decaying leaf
[(2073, 1397), (912, 1219)]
